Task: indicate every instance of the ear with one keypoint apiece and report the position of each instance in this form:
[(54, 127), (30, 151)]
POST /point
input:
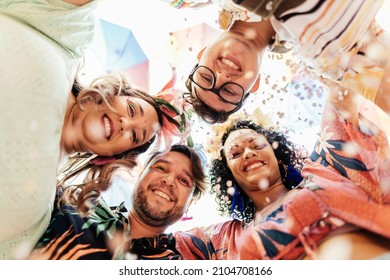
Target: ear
[(256, 85), (200, 54)]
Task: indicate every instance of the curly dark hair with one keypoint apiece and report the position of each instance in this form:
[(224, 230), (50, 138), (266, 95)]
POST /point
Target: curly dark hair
[(286, 152), (207, 113)]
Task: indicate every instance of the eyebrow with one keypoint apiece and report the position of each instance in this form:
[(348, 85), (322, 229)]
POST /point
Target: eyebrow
[(141, 109), (143, 135), (171, 163), (235, 145)]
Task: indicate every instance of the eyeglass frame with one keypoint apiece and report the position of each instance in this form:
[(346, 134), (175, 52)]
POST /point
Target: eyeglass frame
[(217, 91)]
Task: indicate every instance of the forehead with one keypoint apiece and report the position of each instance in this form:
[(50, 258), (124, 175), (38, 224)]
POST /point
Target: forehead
[(177, 161), (237, 137)]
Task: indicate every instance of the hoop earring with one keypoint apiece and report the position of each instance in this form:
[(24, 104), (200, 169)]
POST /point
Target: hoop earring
[(200, 54)]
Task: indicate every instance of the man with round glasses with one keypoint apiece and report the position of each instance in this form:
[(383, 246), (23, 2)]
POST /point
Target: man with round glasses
[(225, 76)]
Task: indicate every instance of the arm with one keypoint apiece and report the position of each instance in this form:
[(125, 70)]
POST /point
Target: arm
[(382, 98), (344, 101), (360, 245)]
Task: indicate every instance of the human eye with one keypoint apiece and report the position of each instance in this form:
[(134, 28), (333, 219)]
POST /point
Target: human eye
[(135, 138), (208, 79), (131, 109), (226, 90), (159, 167), (235, 154), (185, 182), (231, 89), (259, 146)]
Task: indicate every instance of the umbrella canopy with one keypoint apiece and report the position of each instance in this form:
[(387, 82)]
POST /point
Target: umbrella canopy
[(118, 50)]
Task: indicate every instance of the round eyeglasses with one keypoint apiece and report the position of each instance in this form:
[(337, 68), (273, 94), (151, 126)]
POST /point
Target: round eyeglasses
[(229, 92)]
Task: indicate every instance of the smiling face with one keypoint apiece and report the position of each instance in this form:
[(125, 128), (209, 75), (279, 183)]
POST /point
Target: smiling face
[(164, 193), (232, 58), (104, 131), (251, 159)]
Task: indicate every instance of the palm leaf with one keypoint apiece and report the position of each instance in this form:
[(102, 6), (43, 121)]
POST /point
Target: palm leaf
[(337, 144), (340, 168), (351, 163), (280, 236), (269, 247), (201, 246)]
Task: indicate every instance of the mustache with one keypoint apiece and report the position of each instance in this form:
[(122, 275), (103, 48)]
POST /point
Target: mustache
[(161, 186)]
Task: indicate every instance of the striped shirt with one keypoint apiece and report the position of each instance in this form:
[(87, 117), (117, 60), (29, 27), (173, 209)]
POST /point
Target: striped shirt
[(339, 40)]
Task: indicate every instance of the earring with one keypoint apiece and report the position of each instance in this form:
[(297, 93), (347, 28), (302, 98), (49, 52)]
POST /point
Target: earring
[(200, 54), (256, 85), (186, 217)]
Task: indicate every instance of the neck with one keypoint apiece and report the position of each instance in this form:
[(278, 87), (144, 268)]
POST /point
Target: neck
[(66, 139), (262, 198), (260, 32), (139, 229)]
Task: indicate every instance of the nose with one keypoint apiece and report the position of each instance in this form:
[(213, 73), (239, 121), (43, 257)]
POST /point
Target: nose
[(169, 179), (249, 153), (222, 77), (124, 124)]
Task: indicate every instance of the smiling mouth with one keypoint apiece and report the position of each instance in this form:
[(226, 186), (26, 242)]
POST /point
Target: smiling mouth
[(230, 64), (108, 127), (162, 195), (254, 165)]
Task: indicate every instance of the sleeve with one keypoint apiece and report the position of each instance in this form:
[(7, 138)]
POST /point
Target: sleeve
[(343, 153), (69, 26), (216, 242), (36, 76), (72, 236), (329, 35)]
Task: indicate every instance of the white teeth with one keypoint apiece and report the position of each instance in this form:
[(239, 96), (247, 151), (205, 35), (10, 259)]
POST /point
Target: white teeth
[(163, 195), (107, 126), (253, 166), (230, 64)]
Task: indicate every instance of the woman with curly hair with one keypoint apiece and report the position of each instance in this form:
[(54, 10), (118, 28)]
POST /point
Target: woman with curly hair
[(344, 194), (257, 165)]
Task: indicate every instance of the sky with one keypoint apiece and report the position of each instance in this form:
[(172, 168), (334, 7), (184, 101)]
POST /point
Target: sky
[(170, 37)]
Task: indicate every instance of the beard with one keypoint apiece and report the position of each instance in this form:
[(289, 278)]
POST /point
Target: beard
[(152, 215)]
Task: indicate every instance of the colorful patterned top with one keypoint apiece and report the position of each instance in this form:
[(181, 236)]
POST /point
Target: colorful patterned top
[(346, 183), (71, 236)]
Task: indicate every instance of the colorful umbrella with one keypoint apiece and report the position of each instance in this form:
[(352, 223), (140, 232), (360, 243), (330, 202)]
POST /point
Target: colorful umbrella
[(118, 50)]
